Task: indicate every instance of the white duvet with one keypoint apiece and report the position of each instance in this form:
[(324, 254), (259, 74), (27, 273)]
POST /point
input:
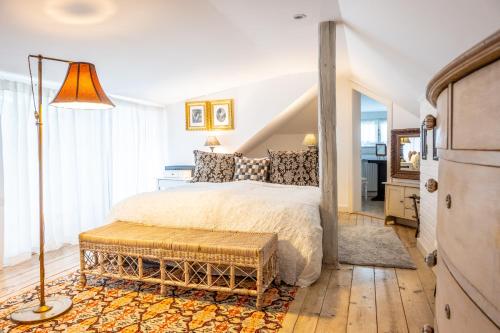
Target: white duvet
[(290, 211)]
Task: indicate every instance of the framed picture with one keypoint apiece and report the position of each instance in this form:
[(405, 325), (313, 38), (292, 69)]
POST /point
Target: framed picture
[(380, 149), (221, 114), (197, 117)]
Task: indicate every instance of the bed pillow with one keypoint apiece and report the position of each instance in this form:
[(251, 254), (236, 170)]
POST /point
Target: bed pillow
[(251, 169), (294, 167), (213, 167)]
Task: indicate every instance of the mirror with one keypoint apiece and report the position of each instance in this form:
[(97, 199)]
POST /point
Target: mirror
[(405, 153)]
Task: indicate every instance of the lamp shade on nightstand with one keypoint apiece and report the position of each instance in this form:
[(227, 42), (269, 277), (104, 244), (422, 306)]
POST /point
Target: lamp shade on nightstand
[(81, 89), (310, 140), (212, 142)]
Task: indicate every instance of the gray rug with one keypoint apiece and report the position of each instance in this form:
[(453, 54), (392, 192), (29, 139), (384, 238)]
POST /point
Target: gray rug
[(368, 245)]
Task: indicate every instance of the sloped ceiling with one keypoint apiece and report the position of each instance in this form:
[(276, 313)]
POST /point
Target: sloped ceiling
[(396, 46), (169, 50)]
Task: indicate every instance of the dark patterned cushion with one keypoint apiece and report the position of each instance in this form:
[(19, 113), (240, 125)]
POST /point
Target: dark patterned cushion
[(251, 169), (294, 167), (213, 167)]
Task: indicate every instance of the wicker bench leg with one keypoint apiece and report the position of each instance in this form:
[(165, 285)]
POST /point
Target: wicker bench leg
[(277, 278), (163, 276), (260, 281), (83, 278)]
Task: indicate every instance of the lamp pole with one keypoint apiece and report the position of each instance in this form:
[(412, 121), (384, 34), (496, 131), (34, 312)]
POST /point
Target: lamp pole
[(39, 123)]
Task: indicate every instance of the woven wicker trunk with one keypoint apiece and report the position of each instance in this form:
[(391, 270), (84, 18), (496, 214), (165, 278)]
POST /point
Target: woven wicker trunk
[(236, 262)]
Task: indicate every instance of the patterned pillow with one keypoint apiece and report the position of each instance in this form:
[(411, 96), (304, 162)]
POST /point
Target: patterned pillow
[(294, 167), (213, 167), (251, 169)]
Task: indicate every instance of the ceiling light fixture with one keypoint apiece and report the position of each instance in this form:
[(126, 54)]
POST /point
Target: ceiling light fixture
[(299, 16)]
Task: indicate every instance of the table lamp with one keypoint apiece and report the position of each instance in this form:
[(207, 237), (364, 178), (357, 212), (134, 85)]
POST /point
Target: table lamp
[(212, 142)]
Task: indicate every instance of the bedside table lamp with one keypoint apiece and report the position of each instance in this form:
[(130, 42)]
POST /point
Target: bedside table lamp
[(80, 90), (212, 142), (310, 141)]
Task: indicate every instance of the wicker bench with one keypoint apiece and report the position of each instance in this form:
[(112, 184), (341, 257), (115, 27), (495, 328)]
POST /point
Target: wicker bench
[(235, 262)]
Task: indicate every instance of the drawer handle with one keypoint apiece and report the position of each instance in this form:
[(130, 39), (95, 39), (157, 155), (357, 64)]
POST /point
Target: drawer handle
[(431, 185), (427, 329), (448, 201), (429, 122), (447, 311)]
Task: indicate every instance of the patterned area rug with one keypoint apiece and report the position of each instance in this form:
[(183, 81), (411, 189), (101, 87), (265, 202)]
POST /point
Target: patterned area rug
[(108, 305)]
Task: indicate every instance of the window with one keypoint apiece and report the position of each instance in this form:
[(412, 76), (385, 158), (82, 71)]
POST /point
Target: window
[(373, 131)]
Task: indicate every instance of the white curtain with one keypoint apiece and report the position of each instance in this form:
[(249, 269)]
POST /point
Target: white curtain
[(369, 133), (373, 132), (92, 159)]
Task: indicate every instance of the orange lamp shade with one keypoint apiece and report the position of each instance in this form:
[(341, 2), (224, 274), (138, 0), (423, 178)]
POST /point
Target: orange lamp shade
[(81, 89)]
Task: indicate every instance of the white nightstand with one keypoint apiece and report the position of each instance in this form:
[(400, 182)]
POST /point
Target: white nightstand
[(175, 175), (167, 182)]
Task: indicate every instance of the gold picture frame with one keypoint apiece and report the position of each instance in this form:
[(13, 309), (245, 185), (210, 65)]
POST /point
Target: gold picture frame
[(197, 116), (221, 114)]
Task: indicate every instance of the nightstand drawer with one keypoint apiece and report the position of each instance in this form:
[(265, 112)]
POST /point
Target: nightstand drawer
[(166, 183)]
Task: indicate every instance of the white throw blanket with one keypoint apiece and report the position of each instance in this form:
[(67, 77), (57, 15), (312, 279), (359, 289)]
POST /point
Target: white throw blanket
[(290, 211)]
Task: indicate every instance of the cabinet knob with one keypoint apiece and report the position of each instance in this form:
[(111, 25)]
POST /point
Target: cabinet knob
[(431, 185), (447, 311), (448, 201), (427, 329), (431, 259)]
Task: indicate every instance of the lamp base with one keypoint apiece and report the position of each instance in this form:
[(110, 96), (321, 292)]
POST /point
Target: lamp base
[(55, 306)]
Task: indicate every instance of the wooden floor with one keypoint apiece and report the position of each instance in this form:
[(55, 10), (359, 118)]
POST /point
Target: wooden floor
[(372, 208), (351, 299), (358, 299)]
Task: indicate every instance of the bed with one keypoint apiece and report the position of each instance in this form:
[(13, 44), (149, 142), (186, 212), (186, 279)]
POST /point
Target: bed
[(290, 211)]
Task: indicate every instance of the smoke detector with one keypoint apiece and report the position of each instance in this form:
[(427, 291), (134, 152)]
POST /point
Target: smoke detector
[(299, 16)]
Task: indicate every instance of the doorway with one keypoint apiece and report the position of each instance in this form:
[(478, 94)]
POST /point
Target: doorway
[(373, 155)]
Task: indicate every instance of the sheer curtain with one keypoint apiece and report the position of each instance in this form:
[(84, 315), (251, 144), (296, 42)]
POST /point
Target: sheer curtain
[(369, 133), (93, 158)]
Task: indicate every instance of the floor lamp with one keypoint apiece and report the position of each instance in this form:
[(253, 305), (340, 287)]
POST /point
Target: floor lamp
[(80, 90)]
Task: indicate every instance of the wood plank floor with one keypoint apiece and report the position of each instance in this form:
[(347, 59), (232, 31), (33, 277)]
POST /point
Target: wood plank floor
[(360, 299), (350, 299)]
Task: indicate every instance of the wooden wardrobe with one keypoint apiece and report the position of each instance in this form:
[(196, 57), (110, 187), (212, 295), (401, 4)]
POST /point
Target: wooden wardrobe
[(466, 94)]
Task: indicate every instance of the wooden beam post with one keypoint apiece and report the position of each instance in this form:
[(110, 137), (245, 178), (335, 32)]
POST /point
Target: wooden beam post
[(327, 142)]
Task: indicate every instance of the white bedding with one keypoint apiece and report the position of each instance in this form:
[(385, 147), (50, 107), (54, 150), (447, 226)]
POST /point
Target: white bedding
[(291, 211)]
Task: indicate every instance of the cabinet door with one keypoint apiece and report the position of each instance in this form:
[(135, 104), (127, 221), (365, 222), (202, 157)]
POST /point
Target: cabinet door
[(476, 110), (442, 120), (165, 184), (468, 228), (394, 201), (455, 312)]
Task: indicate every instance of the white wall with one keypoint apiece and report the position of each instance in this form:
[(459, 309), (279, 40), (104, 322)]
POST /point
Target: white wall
[(278, 142), (255, 105), (428, 201), (290, 134), (2, 200), (400, 118)]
